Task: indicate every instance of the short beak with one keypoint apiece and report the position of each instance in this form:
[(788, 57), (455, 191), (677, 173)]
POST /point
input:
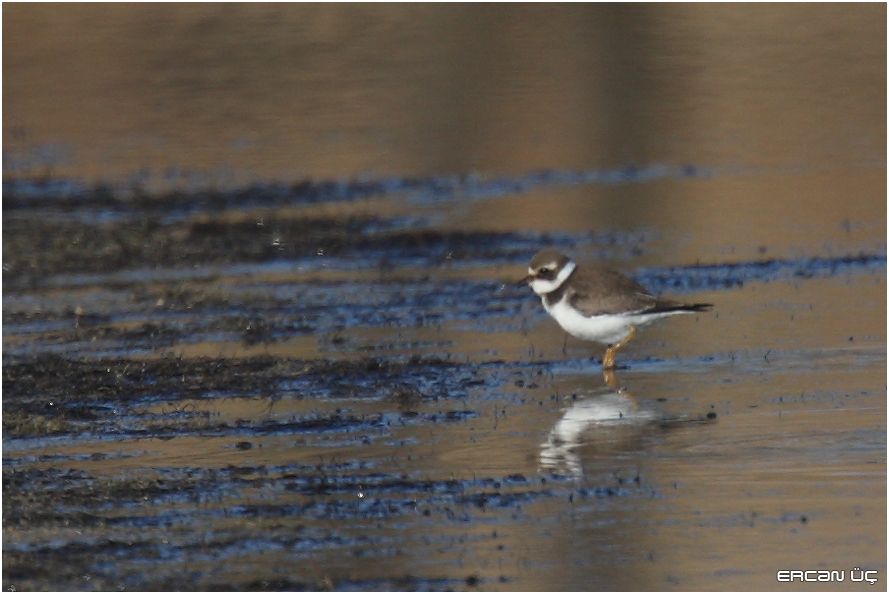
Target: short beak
[(525, 280)]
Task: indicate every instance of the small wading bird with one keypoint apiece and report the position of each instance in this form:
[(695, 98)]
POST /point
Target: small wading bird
[(597, 304)]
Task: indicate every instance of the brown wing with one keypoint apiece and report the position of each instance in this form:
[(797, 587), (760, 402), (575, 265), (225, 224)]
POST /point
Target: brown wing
[(597, 291)]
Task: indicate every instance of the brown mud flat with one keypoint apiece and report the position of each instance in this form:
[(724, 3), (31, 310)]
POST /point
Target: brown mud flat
[(274, 397), (151, 515), (38, 248), (51, 395), (261, 332)]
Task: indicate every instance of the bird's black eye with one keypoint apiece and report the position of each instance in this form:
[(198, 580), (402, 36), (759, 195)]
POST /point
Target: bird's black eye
[(544, 270)]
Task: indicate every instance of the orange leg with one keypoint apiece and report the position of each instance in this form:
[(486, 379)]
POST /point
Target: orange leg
[(608, 361)]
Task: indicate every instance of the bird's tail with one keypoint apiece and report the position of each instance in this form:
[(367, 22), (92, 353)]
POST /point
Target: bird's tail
[(668, 306)]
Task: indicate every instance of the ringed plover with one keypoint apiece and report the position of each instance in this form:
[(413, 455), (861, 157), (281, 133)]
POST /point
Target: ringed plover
[(597, 304)]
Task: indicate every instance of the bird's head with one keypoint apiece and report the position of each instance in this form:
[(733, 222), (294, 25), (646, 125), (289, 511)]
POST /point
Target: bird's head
[(548, 270)]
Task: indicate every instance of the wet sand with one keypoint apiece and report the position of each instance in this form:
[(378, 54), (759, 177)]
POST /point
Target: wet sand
[(389, 412)]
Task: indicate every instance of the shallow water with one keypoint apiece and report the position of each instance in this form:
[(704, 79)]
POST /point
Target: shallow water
[(279, 347)]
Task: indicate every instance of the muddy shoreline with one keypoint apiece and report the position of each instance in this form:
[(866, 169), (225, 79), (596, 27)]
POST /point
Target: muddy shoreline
[(269, 398)]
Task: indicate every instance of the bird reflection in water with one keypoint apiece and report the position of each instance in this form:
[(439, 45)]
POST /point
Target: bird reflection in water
[(610, 411)]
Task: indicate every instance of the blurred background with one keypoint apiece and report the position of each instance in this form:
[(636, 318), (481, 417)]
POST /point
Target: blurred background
[(339, 194), (246, 92)]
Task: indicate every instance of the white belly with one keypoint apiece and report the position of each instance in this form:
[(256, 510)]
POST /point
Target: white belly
[(606, 329)]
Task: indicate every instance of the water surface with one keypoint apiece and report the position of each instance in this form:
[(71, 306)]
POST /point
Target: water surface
[(259, 324)]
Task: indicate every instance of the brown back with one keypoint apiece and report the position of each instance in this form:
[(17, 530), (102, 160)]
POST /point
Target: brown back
[(597, 291)]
